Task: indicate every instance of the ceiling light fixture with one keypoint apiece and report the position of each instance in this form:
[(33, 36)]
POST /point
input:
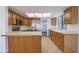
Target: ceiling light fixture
[(38, 14)]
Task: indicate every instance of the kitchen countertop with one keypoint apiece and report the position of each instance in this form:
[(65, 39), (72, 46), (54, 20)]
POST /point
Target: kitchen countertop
[(64, 31), (19, 33)]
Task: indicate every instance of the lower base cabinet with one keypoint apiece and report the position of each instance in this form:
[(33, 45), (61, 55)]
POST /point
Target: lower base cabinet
[(67, 43), (71, 43), (60, 41), (24, 44)]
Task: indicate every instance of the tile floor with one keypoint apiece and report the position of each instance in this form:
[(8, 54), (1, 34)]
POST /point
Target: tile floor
[(48, 46)]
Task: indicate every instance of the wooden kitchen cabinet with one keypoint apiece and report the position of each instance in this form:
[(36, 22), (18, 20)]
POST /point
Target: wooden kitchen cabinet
[(60, 41), (53, 21), (56, 38), (14, 18), (18, 17), (71, 43), (10, 17), (65, 42), (51, 35), (71, 15), (25, 21), (36, 45), (29, 21), (24, 44)]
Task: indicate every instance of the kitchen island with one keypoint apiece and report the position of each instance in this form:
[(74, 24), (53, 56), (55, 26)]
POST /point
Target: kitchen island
[(24, 42)]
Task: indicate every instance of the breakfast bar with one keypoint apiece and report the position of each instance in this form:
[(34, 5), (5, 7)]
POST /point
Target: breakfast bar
[(24, 42)]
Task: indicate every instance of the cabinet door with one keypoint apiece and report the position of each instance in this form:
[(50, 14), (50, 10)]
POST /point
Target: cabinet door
[(25, 21), (14, 18), (29, 22), (71, 15), (53, 21), (14, 44), (67, 18), (53, 36), (24, 44), (71, 43), (36, 43), (61, 42), (74, 14), (56, 38), (19, 17), (10, 17)]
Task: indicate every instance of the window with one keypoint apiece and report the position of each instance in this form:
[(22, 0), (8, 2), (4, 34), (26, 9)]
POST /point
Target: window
[(61, 24)]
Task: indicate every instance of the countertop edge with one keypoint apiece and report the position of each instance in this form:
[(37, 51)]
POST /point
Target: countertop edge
[(23, 33), (64, 31)]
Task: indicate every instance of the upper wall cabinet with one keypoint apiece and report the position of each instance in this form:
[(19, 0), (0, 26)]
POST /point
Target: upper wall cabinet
[(14, 18), (25, 22), (29, 21), (53, 21), (71, 15), (19, 17), (10, 17)]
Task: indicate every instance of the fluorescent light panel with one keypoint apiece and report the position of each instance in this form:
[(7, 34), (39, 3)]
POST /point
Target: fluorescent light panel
[(38, 14)]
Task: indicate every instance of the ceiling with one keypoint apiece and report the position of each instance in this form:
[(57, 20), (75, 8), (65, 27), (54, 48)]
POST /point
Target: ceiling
[(39, 9)]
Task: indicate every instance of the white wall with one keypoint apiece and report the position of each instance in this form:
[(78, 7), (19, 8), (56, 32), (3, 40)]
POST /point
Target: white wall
[(3, 28)]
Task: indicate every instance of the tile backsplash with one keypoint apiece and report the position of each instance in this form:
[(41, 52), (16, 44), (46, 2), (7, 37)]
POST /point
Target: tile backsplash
[(21, 28), (25, 27), (9, 28)]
